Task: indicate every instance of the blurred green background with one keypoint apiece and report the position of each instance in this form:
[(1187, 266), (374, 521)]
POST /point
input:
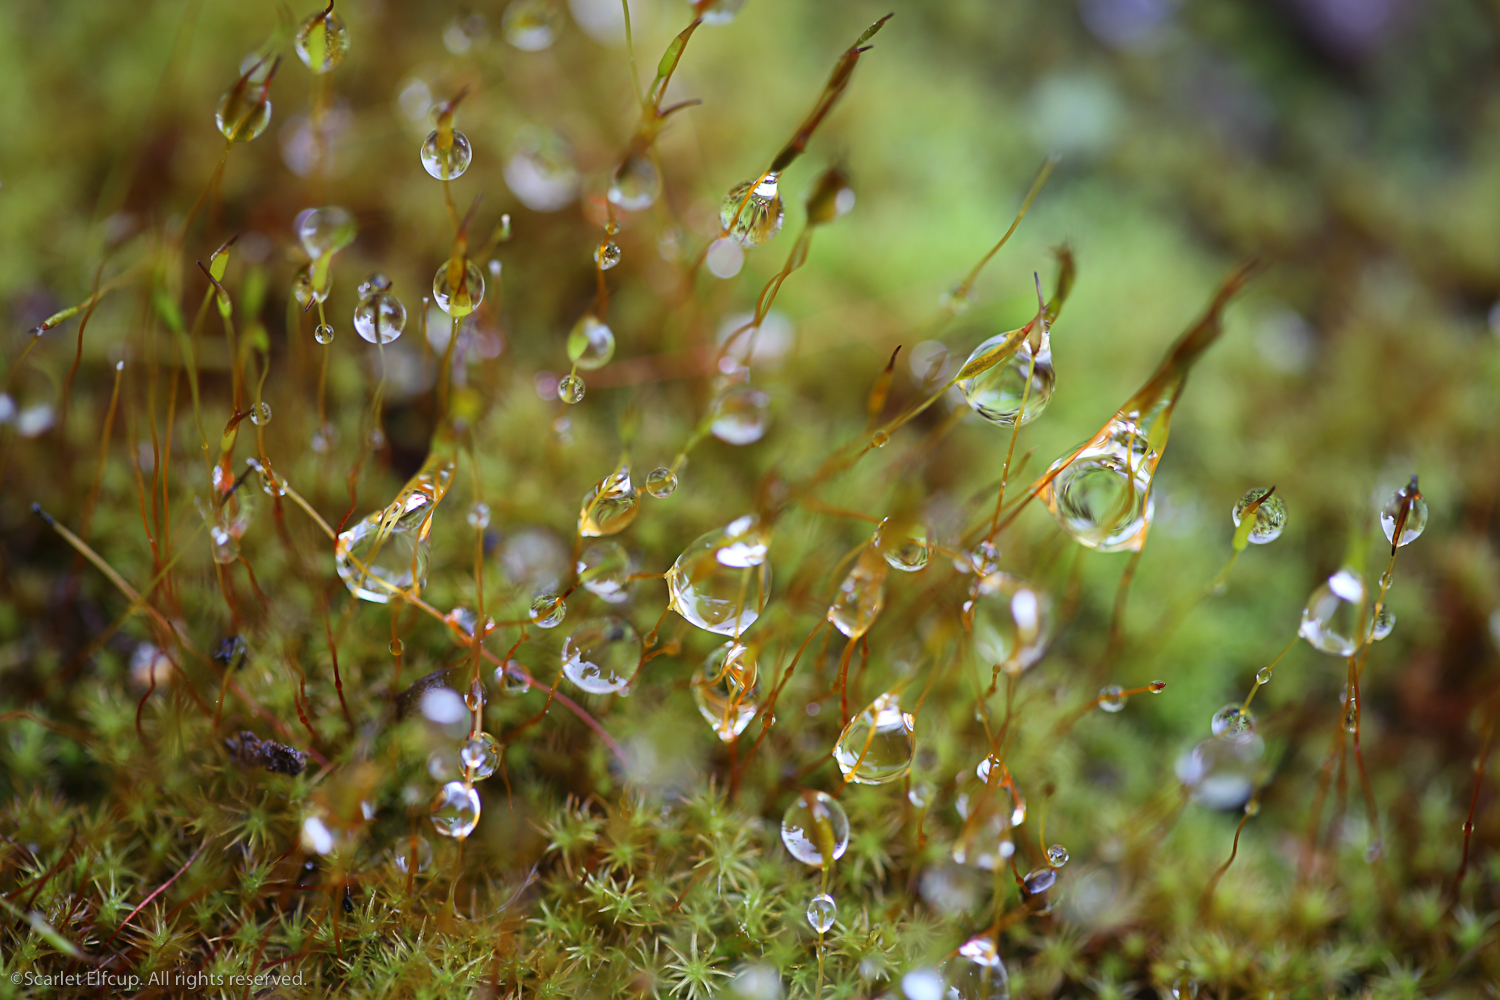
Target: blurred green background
[(1351, 146)]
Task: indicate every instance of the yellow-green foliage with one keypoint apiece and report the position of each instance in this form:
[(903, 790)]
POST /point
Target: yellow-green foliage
[(214, 758)]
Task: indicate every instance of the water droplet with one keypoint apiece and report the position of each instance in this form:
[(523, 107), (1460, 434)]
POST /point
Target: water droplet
[(995, 394), (1012, 623), (1157, 687), (325, 231), (1039, 881), (725, 689), (540, 171), (878, 744), (509, 681), (322, 42), (495, 267), (465, 32), (226, 548), (443, 765), (602, 655), (380, 317), (923, 984), (548, 611), (1351, 714), (1263, 675), (1184, 987), (323, 333), (752, 211), (1220, 771), (1112, 698), (535, 558), (412, 853), (243, 112), (450, 163), (861, 595), (386, 553), (590, 343), (1057, 855), (397, 647), (821, 912), (260, 414), (531, 25), (316, 837), (1101, 495), (977, 972), (722, 581), (479, 516), (465, 620), (610, 504), (815, 829), (1380, 627), (636, 183), (570, 389), (455, 810), (604, 571), (1330, 620), (1416, 514), (1232, 720), (661, 483), (724, 258), (460, 295), (1270, 517), (607, 255), (741, 415), (481, 755), (906, 550), (720, 11), (920, 794)]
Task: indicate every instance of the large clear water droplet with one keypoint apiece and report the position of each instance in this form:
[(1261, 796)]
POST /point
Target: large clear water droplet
[(976, 972), (1270, 516), (610, 505), (996, 393), (861, 595), (481, 755), (1416, 514), (1012, 623), (446, 164), (1220, 771), (455, 810), (752, 211), (1232, 720), (386, 554), (741, 415), (1101, 495), (540, 172), (725, 689), (906, 549), (815, 829), (412, 854), (380, 317), (604, 571), (821, 912), (661, 483), (878, 744), (636, 183), (322, 42), (325, 230), (462, 297), (590, 343), (243, 113), (1330, 621), (602, 655), (722, 581)]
